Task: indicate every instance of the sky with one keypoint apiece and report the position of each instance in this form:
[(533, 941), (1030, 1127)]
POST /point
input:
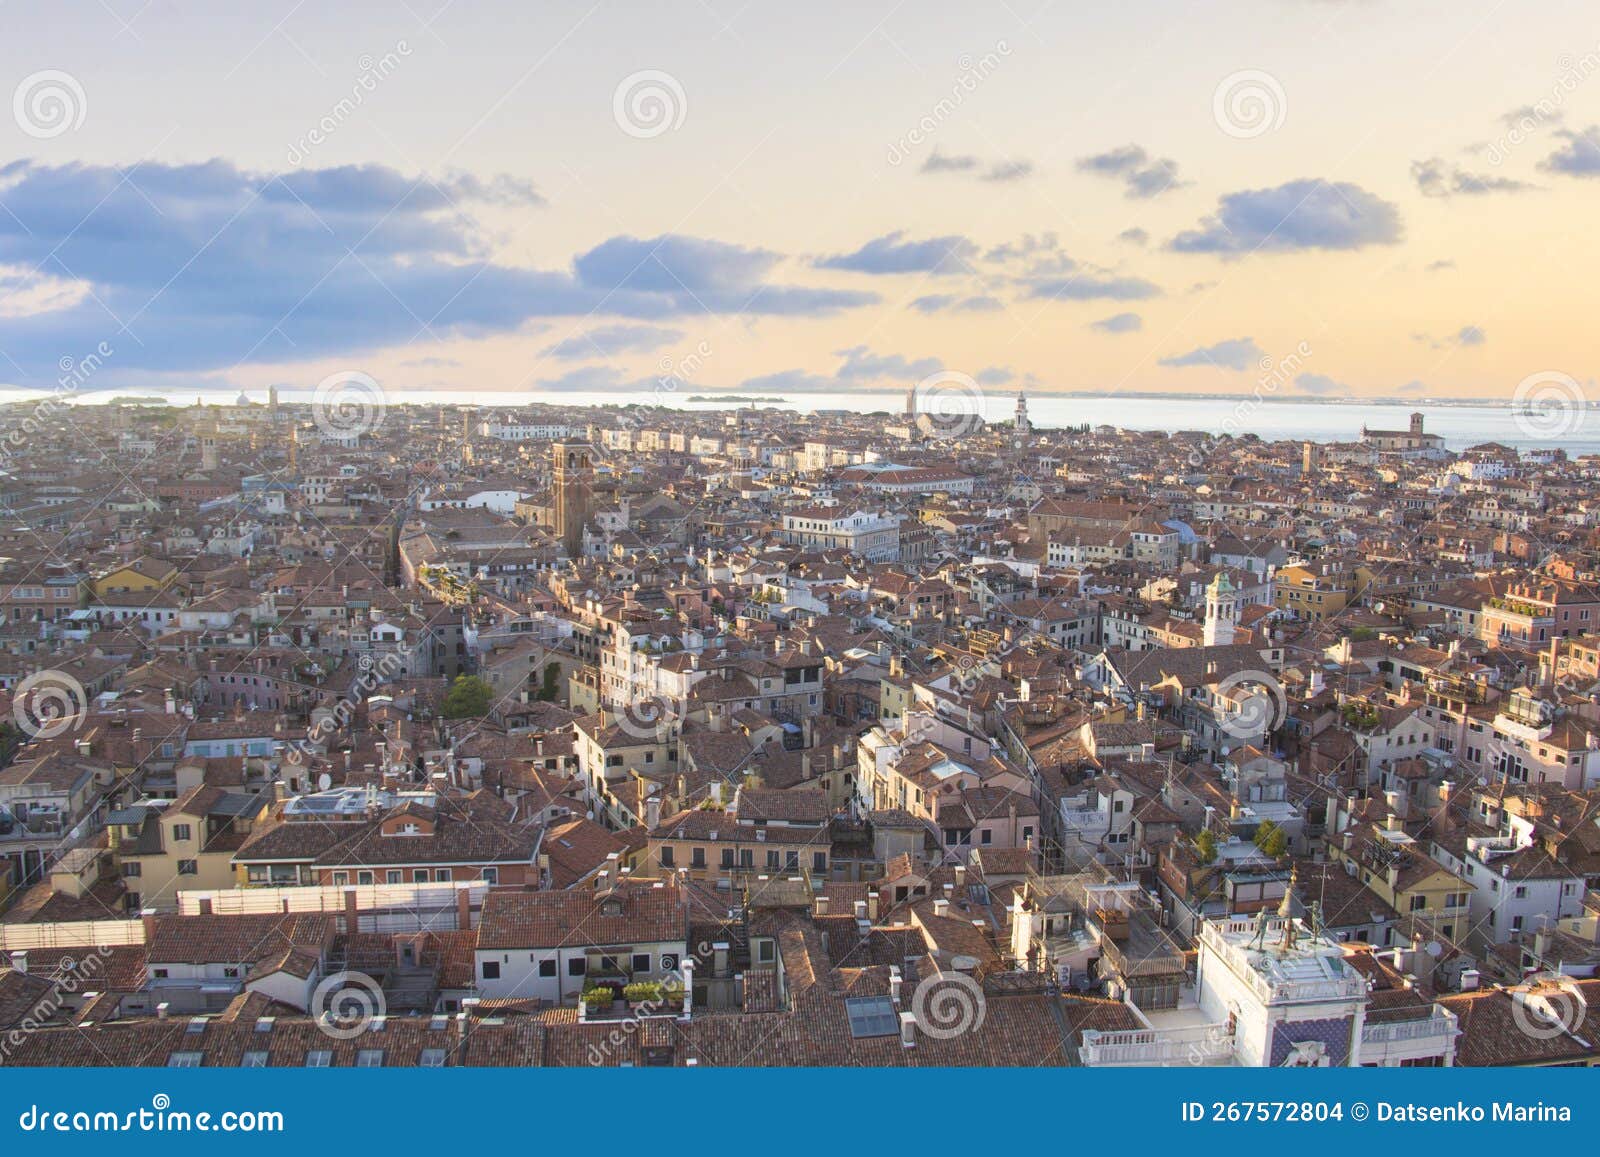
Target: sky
[(1349, 198)]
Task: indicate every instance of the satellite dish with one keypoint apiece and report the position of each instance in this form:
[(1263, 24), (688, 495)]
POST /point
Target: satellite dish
[(1434, 949), (324, 781)]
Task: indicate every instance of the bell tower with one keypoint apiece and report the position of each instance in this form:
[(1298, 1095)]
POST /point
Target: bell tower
[(573, 476), (1222, 611)]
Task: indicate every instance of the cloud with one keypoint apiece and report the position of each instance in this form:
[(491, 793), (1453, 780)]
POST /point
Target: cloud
[(1320, 384), (861, 364), (1579, 157), (893, 253), (938, 162), (1093, 287), (1439, 178), (994, 376), (590, 379), (1134, 236), (1240, 353), (1006, 170), (1412, 387), (1439, 266), (954, 303), (1009, 171), (610, 340), (1119, 323), (1530, 115), (1469, 335), (1142, 175), (209, 266), (1300, 215)]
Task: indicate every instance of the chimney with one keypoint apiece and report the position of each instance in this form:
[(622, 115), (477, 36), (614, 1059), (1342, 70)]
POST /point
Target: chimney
[(463, 908), (908, 1030), (19, 961), (163, 1010), (941, 907), (861, 909), (352, 913), (205, 905), (148, 918), (1469, 980), (822, 905), (872, 906), (961, 876), (895, 981), (688, 987)]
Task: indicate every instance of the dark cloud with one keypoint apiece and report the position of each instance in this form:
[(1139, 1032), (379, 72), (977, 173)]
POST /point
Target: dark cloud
[(894, 253), (1142, 175), (1439, 178), (610, 340), (1300, 215), (1093, 287), (955, 303), (1321, 385), (208, 266), (938, 162), (1119, 323), (1579, 157), (1239, 353)]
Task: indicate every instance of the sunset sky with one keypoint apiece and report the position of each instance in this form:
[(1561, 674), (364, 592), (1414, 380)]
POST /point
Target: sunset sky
[(565, 197)]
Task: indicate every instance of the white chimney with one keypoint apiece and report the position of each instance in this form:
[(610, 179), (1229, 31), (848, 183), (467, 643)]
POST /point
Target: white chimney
[(941, 907), (908, 1030)]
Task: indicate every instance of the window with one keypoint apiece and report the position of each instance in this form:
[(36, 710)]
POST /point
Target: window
[(727, 857), (441, 876), (340, 879), (188, 867), (764, 951), (547, 967), (772, 859), (667, 858), (819, 861), (491, 970), (185, 1060), (254, 1059), (490, 876), (697, 859), (432, 1059), (419, 875), (130, 869), (363, 877), (394, 876), (871, 1016), (577, 966), (641, 962), (182, 833), (319, 1058), (369, 1059)]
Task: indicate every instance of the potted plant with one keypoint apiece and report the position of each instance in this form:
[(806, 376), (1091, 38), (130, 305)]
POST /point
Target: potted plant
[(642, 992), (597, 999), (672, 992)]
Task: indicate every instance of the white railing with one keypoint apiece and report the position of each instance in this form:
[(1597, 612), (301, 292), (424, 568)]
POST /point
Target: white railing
[(1194, 1046), (1441, 1023), (368, 897), (71, 934)]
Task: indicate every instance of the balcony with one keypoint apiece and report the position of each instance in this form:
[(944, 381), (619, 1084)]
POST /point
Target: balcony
[(1208, 1044), (1394, 1041)]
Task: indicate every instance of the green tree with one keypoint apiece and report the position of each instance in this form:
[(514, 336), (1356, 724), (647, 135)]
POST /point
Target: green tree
[(552, 683), (468, 698), (1205, 846), (1271, 839)]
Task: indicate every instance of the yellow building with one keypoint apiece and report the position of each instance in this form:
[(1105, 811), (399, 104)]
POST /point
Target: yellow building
[(143, 575)]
